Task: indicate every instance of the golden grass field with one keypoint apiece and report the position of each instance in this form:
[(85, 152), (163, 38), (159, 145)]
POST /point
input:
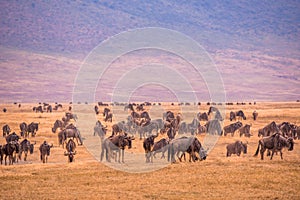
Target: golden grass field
[(218, 177)]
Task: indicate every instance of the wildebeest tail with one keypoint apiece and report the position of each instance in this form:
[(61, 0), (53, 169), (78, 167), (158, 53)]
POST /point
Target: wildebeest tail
[(256, 153)]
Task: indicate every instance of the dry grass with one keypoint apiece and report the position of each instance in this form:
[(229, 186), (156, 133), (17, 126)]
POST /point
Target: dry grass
[(218, 177)]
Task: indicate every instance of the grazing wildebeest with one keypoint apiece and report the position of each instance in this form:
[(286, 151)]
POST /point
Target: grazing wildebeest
[(268, 130), (254, 114), (147, 145), (168, 116), (32, 128), (232, 128), (10, 150), (71, 133), (108, 117), (274, 143), (6, 130), (182, 145), (286, 129), (70, 147), (13, 137), (245, 130), (213, 127), (236, 148), (24, 129), (129, 107), (240, 114), (115, 143), (195, 147), (160, 146), (145, 115), (57, 124), (25, 147), (45, 151), (202, 116)]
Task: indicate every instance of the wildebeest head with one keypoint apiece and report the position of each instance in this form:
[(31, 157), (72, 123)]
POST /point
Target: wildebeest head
[(203, 153), (31, 148), (244, 147), (290, 142), (128, 140)]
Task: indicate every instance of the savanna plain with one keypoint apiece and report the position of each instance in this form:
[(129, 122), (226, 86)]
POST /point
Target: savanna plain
[(217, 177)]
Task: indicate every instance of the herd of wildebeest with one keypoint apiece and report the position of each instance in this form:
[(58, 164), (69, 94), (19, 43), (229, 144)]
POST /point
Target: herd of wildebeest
[(179, 137)]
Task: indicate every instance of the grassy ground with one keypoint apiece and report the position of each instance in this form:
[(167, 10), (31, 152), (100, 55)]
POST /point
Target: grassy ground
[(218, 177)]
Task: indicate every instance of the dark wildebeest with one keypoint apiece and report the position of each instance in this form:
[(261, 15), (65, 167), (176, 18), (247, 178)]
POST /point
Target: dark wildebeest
[(115, 143), (45, 151), (24, 129), (160, 146), (168, 116), (245, 130), (286, 129), (171, 133), (38, 109), (236, 148), (268, 130), (202, 116), (240, 115), (232, 128), (49, 108), (96, 108), (71, 133), (182, 145), (274, 143), (129, 107), (57, 124), (195, 147), (10, 150), (13, 137), (254, 115), (213, 127), (147, 145), (6, 130), (4, 110), (25, 147), (32, 128), (232, 116), (140, 107), (70, 147)]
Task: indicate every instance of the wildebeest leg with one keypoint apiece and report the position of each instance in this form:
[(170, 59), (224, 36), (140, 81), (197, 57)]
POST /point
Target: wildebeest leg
[(122, 150), (281, 154), (25, 156), (262, 151), (272, 154), (119, 151)]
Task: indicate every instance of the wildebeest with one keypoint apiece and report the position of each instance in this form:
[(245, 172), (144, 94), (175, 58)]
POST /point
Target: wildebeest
[(49, 108), (147, 145), (193, 126), (38, 109), (202, 116), (24, 129), (217, 115), (232, 116), (160, 146), (195, 147), (236, 148), (70, 147), (240, 114), (182, 145), (57, 124), (100, 130), (70, 116), (6, 130), (274, 143), (4, 110), (245, 130), (107, 115), (13, 137), (71, 133), (168, 116), (25, 147), (213, 127), (45, 151), (32, 128), (129, 107), (10, 150), (231, 128), (146, 129), (268, 130), (254, 115), (286, 129), (96, 109), (115, 143)]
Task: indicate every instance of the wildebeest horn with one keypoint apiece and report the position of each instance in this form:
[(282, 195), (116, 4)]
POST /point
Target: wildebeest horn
[(66, 153)]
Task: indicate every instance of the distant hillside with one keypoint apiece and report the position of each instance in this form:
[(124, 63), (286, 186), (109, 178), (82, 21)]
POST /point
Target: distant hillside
[(255, 44)]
